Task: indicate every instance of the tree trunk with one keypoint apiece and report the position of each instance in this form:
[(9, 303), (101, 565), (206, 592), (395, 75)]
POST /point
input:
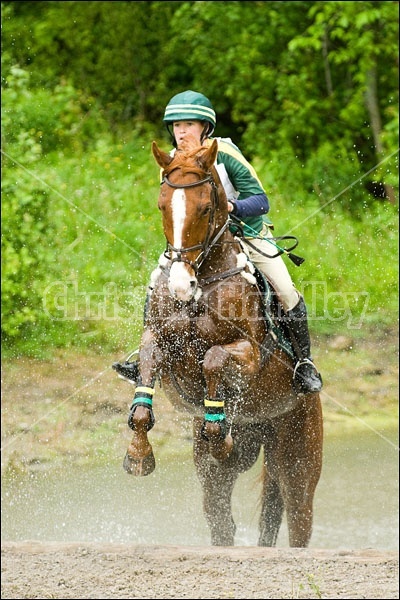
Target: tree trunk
[(371, 101)]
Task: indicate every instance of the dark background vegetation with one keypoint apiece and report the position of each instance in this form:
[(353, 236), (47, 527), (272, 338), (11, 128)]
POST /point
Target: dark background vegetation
[(308, 90)]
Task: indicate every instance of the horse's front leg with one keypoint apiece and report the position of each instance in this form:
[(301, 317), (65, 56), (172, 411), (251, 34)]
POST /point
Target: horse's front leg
[(139, 458), (223, 364)]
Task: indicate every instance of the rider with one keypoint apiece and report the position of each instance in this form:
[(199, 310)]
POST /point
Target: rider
[(191, 112)]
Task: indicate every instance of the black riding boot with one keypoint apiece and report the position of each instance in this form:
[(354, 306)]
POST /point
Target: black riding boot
[(306, 377), (127, 370), (130, 370)]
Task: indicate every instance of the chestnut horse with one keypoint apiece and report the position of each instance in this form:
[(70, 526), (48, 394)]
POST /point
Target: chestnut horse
[(207, 341)]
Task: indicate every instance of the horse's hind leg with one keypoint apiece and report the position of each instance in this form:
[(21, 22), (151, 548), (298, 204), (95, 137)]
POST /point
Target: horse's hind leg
[(294, 458), (302, 461), (299, 516), (271, 511)]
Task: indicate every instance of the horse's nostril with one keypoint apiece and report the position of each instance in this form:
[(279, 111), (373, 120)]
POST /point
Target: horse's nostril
[(193, 284)]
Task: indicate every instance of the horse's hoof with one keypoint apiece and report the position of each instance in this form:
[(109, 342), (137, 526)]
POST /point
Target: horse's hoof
[(139, 466)]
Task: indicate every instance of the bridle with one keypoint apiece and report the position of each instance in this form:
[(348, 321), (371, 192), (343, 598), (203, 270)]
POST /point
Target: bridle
[(207, 245)]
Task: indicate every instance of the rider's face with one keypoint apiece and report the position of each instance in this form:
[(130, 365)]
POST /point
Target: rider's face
[(182, 128)]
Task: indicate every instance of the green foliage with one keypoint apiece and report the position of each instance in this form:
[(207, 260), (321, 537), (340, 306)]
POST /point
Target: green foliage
[(61, 118), (113, 53), (350, 275), (307, 89), (33, 123), (25, 221), (106, 240), (350, 43), (92, 265), (302, 74), (25, 254)]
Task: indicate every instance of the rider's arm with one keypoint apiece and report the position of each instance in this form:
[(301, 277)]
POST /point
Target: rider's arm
[(253, 206)]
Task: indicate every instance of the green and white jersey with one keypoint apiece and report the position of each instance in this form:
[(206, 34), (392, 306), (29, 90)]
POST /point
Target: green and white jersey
[(238, 177)]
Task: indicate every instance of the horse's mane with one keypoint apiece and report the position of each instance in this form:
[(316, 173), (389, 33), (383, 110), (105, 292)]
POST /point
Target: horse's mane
[(186, 157)]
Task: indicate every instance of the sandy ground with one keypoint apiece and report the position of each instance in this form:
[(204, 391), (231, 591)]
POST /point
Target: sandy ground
[(54, 570), (46, 402)]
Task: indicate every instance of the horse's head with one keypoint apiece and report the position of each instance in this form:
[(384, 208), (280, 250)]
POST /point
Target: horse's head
[(193, 207)]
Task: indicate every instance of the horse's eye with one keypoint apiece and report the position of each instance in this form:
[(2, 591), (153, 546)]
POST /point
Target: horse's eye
[(206, 211)]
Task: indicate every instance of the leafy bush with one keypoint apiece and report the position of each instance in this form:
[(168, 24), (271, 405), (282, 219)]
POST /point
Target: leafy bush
[(59, 118), (26, 256)]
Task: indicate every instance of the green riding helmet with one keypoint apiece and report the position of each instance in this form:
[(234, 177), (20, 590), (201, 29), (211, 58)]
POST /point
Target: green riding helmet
[(190, 106)]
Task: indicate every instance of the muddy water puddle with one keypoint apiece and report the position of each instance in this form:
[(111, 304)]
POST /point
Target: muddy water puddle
[(356, 503)]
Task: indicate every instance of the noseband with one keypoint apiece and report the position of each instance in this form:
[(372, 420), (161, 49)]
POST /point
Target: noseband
[(208, 243)]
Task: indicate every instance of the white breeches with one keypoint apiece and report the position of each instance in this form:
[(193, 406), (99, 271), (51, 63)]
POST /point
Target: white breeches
[(274, 270)]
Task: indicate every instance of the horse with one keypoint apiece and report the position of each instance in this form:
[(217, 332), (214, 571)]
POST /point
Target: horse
[(209, 344)]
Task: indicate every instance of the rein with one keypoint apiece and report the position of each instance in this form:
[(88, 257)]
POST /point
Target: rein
[(208, 243), (297, 260)]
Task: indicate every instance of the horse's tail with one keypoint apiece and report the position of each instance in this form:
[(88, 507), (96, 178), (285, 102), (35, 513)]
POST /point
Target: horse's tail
[(271, 508)]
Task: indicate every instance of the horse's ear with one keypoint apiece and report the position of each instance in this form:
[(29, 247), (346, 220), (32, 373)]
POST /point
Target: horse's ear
[(162, 158), (207, 158)]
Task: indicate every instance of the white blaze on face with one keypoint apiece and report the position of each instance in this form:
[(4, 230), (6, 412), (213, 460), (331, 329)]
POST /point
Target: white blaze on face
[(181, 284)]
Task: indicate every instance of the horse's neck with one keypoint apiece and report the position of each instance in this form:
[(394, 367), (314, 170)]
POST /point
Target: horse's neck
[(223, 256)]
